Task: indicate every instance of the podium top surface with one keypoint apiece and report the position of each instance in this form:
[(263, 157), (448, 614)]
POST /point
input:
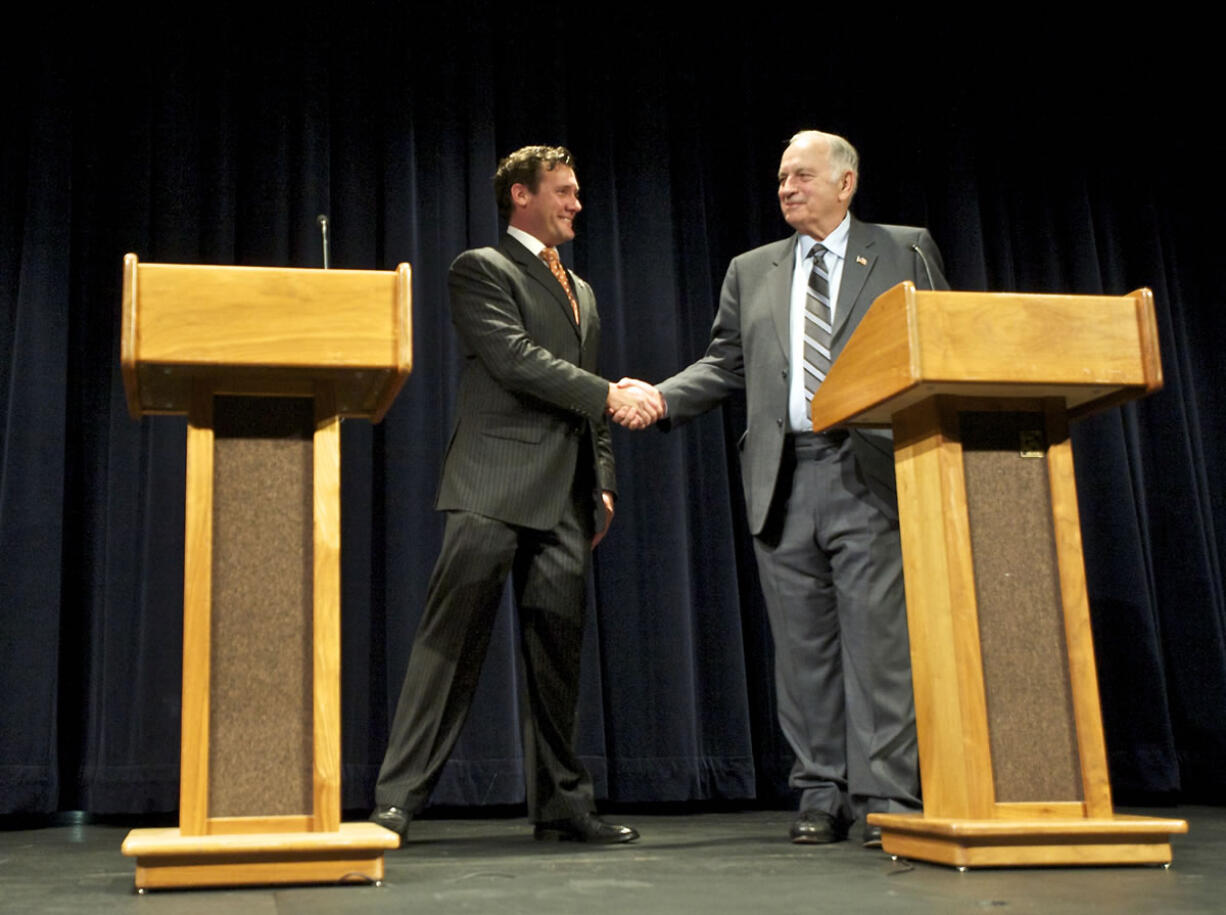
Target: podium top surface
[(264, 330), (1091, 351)]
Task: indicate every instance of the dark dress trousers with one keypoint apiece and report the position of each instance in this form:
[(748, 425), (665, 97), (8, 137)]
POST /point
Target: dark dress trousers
[(824, 517), (527, 460)]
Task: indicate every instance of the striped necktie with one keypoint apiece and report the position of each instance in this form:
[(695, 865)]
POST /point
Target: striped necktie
[(818, 325)]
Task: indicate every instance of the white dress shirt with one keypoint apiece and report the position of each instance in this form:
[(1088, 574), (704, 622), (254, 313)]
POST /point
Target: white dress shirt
[(836, 251)]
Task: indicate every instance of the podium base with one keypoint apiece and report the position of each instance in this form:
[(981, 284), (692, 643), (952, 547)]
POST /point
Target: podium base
[(166, 859), (1035, 842)]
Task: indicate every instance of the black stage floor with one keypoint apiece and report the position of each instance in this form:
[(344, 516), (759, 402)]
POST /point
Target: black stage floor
[(706, 862)]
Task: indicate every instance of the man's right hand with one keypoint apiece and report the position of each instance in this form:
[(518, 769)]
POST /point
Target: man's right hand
[(635, 404)]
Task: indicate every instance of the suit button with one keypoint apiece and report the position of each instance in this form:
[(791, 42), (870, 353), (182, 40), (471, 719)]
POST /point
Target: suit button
[(779, 423)]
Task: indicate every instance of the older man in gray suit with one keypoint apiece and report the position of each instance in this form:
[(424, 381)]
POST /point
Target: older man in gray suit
[(528, 487), (822, 507)]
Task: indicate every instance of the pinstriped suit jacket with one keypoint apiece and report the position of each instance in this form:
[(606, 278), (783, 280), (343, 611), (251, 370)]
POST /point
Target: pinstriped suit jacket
[(529, 392)]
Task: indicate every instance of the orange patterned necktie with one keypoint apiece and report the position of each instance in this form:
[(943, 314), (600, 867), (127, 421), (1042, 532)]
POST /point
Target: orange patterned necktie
[(550, 257)]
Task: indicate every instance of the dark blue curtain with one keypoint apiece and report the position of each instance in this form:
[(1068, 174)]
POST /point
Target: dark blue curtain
[(1044, 157)]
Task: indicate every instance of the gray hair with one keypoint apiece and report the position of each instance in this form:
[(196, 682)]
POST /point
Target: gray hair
[(843, 156)]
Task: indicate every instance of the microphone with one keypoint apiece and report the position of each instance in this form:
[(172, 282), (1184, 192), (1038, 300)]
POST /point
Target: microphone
[(916, 249), (323, 228)]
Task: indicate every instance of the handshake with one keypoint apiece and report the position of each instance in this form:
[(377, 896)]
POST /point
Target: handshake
[(634, 404)]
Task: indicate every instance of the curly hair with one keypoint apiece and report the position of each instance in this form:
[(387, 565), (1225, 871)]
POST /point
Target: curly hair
[(524, 167)]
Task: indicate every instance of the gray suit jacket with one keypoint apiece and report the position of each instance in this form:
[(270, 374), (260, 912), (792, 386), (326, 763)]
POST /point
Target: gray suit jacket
[(528, 391), (750, 348)]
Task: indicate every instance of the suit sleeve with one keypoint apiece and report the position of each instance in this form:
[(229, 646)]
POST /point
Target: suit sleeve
[(490, 325), (606, 477), (721, 370)]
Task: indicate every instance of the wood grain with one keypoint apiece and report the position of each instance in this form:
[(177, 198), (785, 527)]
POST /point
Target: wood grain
[(264, 330), (1091, 351), (327, 653), (127, 338), (916, 361), (256, 825), (1083, 672), (165, 858), (197, 610), (342, 338), (1013, 842), (955, 764)]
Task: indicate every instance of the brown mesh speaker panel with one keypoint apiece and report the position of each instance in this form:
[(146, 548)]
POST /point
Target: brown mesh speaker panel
[(260, 717), (1021, 617)]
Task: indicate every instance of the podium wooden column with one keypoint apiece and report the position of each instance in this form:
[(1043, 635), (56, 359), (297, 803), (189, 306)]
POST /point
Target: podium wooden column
[(264, 362), (979, 389)]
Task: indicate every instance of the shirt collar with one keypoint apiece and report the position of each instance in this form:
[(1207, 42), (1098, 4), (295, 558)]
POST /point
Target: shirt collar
[(835, 242), (529, 241)]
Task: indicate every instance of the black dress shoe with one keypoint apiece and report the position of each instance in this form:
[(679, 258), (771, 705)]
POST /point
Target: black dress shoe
[(815, 827), (392, 818), (872, 836), (585, 828)]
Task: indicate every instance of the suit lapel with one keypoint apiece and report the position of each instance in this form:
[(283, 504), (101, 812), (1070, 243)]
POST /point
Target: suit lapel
[(857, 265), (778, 291), (539, 272), (587, 306)]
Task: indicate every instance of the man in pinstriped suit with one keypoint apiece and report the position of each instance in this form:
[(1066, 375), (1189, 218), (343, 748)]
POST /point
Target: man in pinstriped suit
[(528, 487)]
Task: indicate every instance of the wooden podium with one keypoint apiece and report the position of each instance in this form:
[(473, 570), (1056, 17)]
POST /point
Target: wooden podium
[(264, 362), (979, 389)]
